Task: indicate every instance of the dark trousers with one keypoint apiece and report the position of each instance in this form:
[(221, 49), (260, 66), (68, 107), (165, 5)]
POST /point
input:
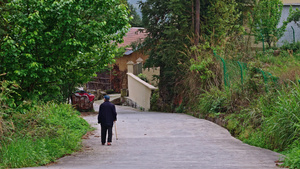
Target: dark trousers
[(104, 130)]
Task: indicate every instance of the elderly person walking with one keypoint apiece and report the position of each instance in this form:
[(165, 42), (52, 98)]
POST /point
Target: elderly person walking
[(106, 117)]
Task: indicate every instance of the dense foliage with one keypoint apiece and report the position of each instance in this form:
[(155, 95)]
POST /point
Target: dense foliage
[(263, 109), (294, 15), (33, 135), (136, 20), (171, 26), (168, 25), (41, 135), (50, 47), (47, 48), (264, 19)]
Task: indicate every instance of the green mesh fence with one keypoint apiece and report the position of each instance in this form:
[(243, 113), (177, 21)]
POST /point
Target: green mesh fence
[(235, 72), (269, 79)]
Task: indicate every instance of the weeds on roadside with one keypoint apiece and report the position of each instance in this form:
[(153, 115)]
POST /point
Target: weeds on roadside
[(279, 123), (264, 110), (292, 156), (40, 135)]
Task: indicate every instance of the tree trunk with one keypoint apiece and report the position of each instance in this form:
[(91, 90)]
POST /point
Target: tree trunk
[(193, 17), (197, 22)]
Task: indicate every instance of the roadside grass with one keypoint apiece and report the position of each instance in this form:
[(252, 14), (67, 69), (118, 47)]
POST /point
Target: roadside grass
[(292, 155), (259, 112), (41, 135), (271, 121), (285, 66), (280, 124)]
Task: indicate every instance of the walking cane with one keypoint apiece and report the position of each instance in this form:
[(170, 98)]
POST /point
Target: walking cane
[(116, 131)]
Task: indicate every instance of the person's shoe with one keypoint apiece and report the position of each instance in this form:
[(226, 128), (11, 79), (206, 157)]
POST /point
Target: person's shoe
[(109, 144), (103, 144)]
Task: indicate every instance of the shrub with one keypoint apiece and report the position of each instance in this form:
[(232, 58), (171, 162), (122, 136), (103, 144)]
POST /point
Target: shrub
[(154, 101), (143, 77), (110, 91), (7, 106), (282, 122), (264, 109), (41, 135), (157, 104), (278, 123), (214, 101), (295, 47)]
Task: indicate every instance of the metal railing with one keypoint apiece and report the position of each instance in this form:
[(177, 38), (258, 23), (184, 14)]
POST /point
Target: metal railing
[(235, 72)]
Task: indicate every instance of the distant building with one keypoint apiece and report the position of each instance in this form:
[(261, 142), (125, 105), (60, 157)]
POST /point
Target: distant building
[(116, 79), (135, 35), (288, 35)]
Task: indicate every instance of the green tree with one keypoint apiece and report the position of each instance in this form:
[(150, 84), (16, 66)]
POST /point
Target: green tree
[(220, 21), (172, 30), (264, 19), (294, 15), (169, 25), (52, 46), (136, 19), (3, 23)]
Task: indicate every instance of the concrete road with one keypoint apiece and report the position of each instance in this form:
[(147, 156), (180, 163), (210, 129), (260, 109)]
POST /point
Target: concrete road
[(152, 140)]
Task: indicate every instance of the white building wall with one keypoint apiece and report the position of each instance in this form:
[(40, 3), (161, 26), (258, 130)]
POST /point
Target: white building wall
[(149, 72)]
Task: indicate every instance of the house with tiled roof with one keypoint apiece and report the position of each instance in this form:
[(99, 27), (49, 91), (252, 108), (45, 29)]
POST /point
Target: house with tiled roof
[(116, 78), (135, 35)]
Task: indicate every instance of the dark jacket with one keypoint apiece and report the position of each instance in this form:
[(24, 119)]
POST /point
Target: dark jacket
[(107, 114)]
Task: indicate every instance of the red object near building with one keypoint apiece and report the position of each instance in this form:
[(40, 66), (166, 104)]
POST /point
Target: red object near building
[(83, 101)]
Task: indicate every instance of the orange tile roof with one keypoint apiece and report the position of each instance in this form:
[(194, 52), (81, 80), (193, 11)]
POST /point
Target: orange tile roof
[(133, 35)]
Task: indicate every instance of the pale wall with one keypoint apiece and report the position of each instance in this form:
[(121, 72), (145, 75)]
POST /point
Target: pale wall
[(122, 61), (149, 72), (139, 91), (290, 1)]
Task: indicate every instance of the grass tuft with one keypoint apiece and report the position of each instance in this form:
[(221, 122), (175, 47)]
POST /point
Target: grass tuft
[(42, 135)]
